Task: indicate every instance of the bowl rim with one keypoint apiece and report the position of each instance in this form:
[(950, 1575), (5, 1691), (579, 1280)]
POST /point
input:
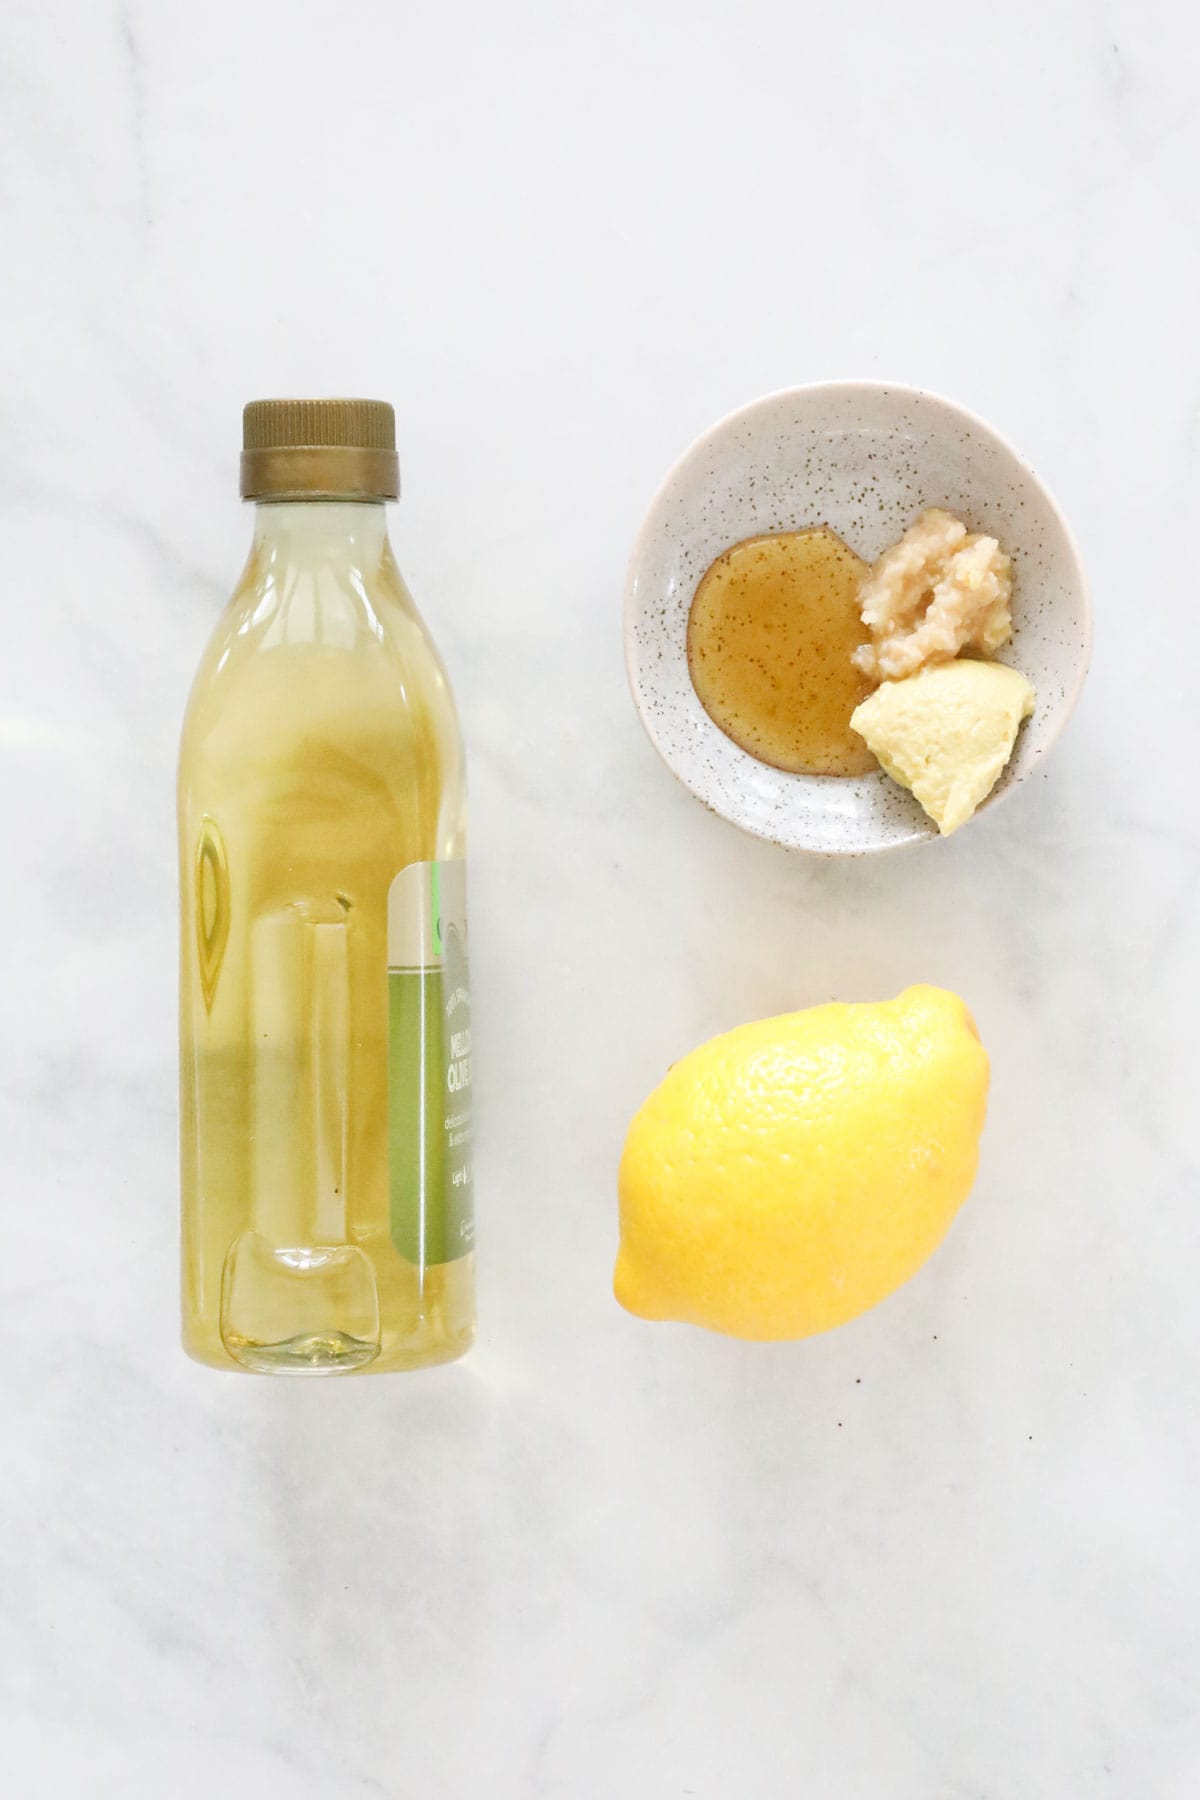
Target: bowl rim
[(855, 384)]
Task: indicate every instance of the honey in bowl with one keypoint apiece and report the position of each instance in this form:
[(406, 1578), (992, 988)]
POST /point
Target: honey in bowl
[(772, 628)]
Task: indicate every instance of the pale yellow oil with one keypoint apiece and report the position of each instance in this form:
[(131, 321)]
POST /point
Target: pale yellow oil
[(772, 628), (321, 754)]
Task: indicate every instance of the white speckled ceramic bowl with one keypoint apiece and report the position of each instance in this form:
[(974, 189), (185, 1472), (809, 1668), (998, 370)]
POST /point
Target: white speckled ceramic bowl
[(864, 457)]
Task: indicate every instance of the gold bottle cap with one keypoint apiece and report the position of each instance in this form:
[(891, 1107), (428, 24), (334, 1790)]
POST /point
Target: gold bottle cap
[(319, 450)]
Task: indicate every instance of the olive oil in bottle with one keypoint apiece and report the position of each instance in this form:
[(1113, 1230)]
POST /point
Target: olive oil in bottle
[(324, 999)]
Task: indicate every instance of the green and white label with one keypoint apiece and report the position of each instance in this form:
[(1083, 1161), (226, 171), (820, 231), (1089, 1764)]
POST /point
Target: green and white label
[(429, 1064)]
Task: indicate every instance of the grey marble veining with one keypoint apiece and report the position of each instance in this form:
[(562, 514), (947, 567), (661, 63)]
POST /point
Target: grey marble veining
[(948, 1551)]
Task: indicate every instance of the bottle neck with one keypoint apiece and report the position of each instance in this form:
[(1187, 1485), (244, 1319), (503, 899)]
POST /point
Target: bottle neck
[(347, 534)]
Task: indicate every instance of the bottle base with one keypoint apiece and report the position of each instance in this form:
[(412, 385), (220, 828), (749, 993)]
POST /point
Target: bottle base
[(313, 1353), (323, 1354), (317, 1311)]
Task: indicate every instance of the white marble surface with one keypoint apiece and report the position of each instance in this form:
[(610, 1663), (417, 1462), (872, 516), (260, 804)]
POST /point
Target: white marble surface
[(948, 1553)]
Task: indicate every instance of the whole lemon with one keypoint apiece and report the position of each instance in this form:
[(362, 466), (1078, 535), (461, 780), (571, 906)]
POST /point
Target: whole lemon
[(790, 1174)]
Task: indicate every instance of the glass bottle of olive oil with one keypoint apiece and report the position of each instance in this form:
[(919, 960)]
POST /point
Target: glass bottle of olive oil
[(325, 1012)]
